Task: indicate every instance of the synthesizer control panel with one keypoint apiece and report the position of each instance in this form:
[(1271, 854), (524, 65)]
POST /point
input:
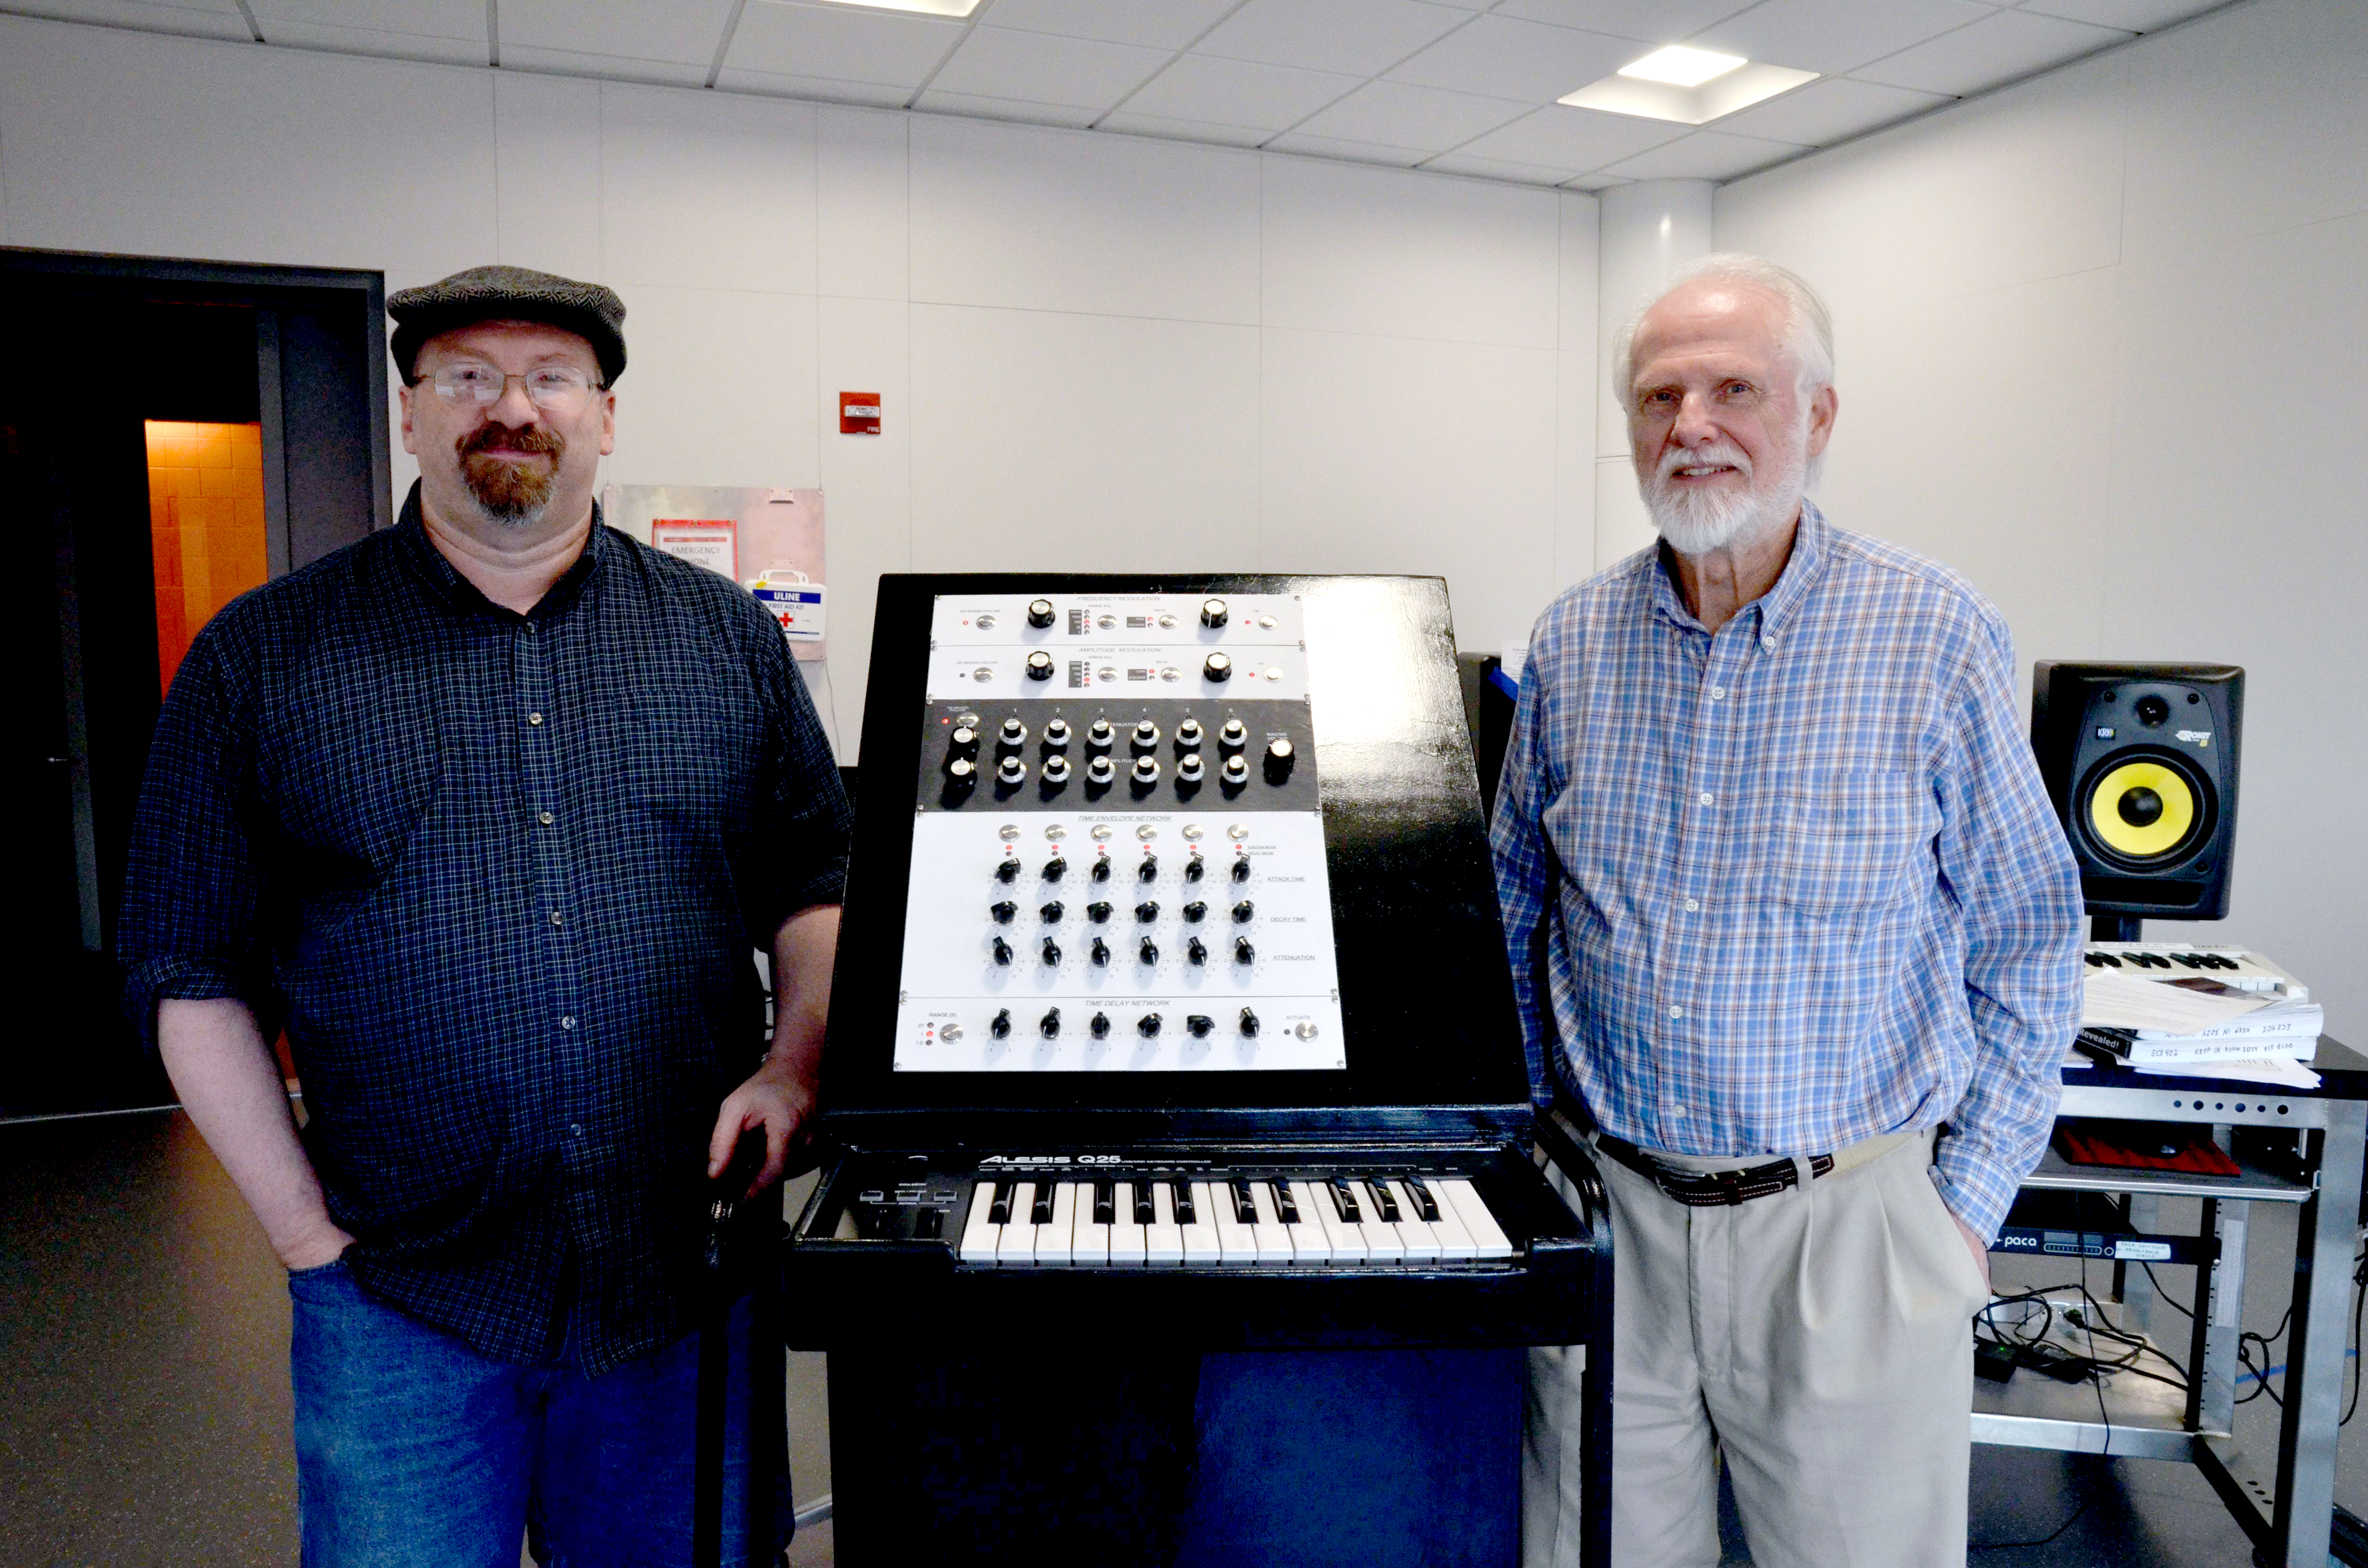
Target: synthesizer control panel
[(1118, 857)]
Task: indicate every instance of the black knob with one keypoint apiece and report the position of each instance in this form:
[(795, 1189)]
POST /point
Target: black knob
[(1056, 769), (1099, 953), (1040, 665), (1188, 735), (1040, 613), (1007, 870), (963, 741), (1235, 734), (1146, 912), (1148, 1025), (1280, 756), (1053, 911), (1000, 1025), (1002, 951), (1098, 1025), (1149, 951), (1148, 870), (1242, 951), (1217, 666), (1056, 868), (1241, 869), (1003, 911), (1250, 1023), (1010, 770), (1188, 769), (1049, 1026), (1098, 911), (1146, 769), (1196, 951), (1236, 772), (1198, 1025), (1195, 909), (1052, 951), (1146, 735), (1101, 867), (1100, 733), (1013, 733), (1212, 613), (1100, 771), (1242, 913), (1194, 867), (1056, 732)]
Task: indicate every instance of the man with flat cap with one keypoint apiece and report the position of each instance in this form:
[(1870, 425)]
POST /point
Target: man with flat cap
[(487, 812)]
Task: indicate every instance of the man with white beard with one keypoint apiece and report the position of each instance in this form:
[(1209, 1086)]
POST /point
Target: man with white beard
[(1797, 935)]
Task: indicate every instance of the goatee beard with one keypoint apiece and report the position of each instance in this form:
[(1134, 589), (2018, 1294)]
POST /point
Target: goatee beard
[(509, 491), (1699, 521)]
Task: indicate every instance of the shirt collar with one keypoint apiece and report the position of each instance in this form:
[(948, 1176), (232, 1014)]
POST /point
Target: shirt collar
[(427, 563), (1810, 541)]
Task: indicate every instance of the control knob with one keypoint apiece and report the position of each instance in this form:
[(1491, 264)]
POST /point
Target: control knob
[(1194, 867), (1002, 950), (1003, 911), (1146, 735), (1099, 953), (1053, 912), (1040, 665), (1101, 867), (1056, 732), (1099, 733), (1235, 735), (1146, 770), (1056, 868), (1242, 951), (1098, 1026), (1052, 952), (1148, 870), (1148, 1025), (1147, 911), (1049, 1026), (1198, 1025), (1250, 1023), (1000, 1025), (1235, 771), (961, 772), (1280, 756), (1010, 770), (1098, 911), (963, 741), (1241, 869), (1213, 613), (1149, 951), (1195, 909), (1196, 951), (1188, 769), (1040, 613), (1100, 771), (1242, 913), (1217, 666), (1013, 733), (1007, 870), (1056, 769), (1189, 733)]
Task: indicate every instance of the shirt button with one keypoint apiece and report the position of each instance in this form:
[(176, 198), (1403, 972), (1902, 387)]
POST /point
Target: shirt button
[(567, 1021), (534, 717), (575, 1130), (1693, 904), (558, 919), (1705, 797), (1677, 1012), (1718, 694), (544, 818), (1677, 1110), (1769, 640)]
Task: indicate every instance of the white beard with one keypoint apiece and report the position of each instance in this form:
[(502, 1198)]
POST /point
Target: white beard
[(1698, 521)]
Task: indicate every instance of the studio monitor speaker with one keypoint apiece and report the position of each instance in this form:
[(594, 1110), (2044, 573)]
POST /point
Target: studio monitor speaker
[(2141, 762)]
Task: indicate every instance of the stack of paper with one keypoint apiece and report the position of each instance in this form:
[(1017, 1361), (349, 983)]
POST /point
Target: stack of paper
[(2195, 1024)]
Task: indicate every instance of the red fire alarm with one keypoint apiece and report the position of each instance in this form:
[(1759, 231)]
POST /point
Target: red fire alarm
[(858, 413)]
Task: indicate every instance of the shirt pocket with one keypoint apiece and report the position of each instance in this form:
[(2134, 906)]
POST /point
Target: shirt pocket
[(1848, 841)]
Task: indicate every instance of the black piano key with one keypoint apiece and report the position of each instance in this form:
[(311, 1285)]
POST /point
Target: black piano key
[(1286, 1207), (1104, 1203), (1145, 1213), (1344, 1202), (1244, 1206), (1426, 1207), (1040, 1212), (1182, 1193), (1385, 1203), (999, 1212)]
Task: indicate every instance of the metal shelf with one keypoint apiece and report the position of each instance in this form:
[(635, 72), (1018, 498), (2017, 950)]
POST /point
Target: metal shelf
[(2250, 1184)]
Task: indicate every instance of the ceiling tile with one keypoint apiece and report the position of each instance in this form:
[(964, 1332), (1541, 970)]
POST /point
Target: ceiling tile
[(1155, 24), (981, 108), (1360, 36), (1128, 122), (1705, 155), (1516, 59), (996, 62), (1392, 114), (1653, 21), (604, 67), (829, 90), (220, 20), (840, 43), (683, 31), (372, 41), (427, 18), (1830, 109), (1834, 35), (1351, 151), (2137, 16), (1238, 92), (1489, 168), (1573, 138), (1997, 49)]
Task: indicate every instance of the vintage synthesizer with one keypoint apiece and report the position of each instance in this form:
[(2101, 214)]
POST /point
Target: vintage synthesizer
[(2232, 966), (1172, 979)]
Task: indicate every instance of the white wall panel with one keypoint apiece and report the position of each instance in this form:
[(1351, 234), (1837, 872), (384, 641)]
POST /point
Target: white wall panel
[(1579, 389), (705, 190), (863, 238), (720, 388), (547, 174), (1058, 220), (1366, 250), (867, 481), (1082, 443)]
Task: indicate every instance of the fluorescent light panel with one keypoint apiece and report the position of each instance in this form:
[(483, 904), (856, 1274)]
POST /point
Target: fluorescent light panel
[(925, 8), (1679, 66)]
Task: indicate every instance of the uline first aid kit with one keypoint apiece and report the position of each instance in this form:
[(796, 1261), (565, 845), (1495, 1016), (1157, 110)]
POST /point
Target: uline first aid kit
[(795, 603)]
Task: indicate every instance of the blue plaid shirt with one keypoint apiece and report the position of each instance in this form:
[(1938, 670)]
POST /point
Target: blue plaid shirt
[(500, 877), (1796, 883)]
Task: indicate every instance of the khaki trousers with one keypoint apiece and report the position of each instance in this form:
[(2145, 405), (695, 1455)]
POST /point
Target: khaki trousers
[(1818, 1339)]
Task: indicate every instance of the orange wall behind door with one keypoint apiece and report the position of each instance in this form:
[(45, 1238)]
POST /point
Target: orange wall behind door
[(205, 516)]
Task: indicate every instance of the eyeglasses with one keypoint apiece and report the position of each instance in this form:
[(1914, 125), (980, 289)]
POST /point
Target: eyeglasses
[(555, 388)]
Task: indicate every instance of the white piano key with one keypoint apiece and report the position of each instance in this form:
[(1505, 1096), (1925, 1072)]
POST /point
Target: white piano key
[(1090, 1242), (1384, 1243), (1273, 1237), (1455, 1243), (1488, 1237), (1347, 1240), (1421, 1243), (1202, 1245), (980, 1234), (1164, 1242), (1311, 1240), (1127, 1242), (1237, 1243), (1064, 1240), (1018, 1244)]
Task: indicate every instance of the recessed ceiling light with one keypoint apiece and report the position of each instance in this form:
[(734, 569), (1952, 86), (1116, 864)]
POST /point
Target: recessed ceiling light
[(1682, 67), (925, 8)]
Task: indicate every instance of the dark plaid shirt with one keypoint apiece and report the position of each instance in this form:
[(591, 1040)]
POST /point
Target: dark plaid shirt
[(499, 876)]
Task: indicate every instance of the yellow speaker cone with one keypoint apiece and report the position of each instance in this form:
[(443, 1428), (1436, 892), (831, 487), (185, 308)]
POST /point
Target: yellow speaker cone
[(2142, 809)]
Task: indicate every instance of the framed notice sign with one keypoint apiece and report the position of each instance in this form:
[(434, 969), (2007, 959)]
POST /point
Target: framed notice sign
[(755, 537)]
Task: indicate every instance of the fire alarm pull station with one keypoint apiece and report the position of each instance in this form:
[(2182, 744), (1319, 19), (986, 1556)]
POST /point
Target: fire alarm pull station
[(858, 413)]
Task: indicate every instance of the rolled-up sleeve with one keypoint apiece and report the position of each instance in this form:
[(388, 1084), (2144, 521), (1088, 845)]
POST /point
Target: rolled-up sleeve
[(1525, 865), (2004, 861), (805, 815)]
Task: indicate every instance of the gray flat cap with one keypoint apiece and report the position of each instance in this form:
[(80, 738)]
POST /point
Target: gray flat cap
[(591, 310)]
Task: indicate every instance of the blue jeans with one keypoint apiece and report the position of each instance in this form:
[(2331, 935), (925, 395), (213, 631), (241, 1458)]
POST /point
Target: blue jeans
[(413, 1451)]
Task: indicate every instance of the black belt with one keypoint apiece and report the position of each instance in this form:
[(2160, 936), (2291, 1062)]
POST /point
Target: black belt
[(1712, 1189)]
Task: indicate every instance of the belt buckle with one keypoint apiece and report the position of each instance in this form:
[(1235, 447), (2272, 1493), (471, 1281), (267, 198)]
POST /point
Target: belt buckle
[(1730, 1188)]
